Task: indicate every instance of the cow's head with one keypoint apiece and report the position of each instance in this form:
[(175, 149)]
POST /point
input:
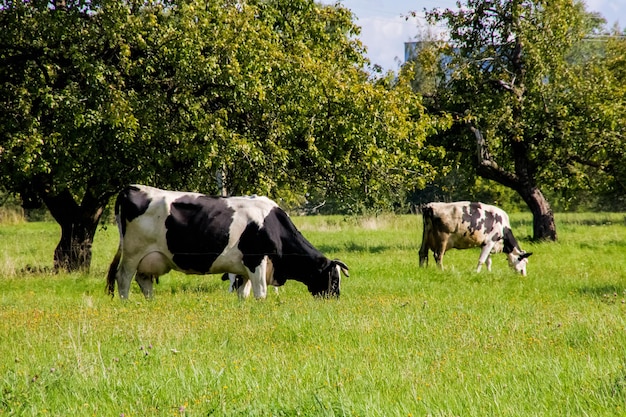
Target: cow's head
[(518, 261), (329, 282)]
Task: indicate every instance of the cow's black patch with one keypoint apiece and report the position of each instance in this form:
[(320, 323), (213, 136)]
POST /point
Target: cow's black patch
[(485, 222), (472, 216), (328, 283), (255, 243), (510, 242), (293, 256), (489, 222), (130, 204), (436, 221), (197, 231)]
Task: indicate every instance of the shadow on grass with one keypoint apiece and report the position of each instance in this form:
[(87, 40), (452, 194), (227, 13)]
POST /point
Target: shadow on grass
[(618, 243), (359, 248), (599, 220), (609, 294), (197, 288), (37, 270)]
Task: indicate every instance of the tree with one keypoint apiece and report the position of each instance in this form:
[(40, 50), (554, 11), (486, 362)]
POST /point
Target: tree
[(318, 125), (98, 94), (525, 111), (63, 110), (605, 152)]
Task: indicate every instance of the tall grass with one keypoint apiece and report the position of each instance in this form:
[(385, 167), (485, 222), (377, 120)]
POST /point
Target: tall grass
[(11, 215), (401, 340)]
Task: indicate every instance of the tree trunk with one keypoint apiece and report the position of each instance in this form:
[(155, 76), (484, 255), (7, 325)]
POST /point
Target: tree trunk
[(73, 253), (221, 178), (544, 227), (78, 228)]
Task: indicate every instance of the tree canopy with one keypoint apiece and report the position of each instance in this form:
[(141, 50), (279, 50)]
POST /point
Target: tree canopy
[(271, 95), (533, 106)]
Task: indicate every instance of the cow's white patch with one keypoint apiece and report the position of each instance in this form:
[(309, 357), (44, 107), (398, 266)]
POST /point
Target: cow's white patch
[(247, 210)]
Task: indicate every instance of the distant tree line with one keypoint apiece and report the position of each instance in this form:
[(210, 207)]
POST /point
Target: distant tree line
[(276, 97)]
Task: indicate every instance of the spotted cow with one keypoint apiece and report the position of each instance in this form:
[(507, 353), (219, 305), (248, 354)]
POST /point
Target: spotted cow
[(249, 237), (463, 225)]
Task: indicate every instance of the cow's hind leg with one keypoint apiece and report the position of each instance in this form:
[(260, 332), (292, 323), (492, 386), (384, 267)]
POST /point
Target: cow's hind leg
[(124, 277), (438, 255), (423, 255), (243, 291)]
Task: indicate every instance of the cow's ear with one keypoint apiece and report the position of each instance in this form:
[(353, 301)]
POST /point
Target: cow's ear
[(344, 267), (525, 255)]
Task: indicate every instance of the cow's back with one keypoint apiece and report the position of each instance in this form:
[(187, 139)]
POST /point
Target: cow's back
[(466, 224)]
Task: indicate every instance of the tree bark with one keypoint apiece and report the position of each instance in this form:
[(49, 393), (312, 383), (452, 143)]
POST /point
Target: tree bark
[(78, 228), (544, 227)]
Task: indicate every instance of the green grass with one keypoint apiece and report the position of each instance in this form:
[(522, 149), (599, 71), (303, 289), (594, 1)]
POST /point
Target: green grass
[(401, 341)]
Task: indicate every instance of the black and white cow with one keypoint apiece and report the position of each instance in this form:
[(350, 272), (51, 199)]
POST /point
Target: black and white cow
[(463, 225), (197, 234)]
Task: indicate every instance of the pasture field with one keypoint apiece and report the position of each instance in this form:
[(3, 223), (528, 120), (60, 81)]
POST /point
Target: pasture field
[(401, 340)]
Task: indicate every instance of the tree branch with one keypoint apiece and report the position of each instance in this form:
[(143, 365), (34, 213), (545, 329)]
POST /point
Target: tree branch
[(487, 167)]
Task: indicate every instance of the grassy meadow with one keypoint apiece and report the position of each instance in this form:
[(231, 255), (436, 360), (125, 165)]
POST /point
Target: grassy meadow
[(401, 340)]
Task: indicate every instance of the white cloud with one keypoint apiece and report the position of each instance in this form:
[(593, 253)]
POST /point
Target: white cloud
[(385, 37)]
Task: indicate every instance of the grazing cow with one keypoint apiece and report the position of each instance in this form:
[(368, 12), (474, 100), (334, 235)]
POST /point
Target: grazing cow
[(250, 237), (463, 225)]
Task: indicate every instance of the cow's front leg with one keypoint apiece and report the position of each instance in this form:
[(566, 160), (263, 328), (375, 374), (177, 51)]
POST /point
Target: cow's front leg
[(259, 279), (423, 254), (485, 257)]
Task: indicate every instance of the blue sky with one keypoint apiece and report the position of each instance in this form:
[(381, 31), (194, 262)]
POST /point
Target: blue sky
[(384, 29)]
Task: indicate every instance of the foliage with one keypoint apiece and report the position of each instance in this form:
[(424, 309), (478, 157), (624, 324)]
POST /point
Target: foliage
[(401, 340), (609, 145), (271, 92), (271, 95)]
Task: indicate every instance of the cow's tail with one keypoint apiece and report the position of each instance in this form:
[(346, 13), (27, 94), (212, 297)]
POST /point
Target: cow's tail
[(427, 224), (112, 275)]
